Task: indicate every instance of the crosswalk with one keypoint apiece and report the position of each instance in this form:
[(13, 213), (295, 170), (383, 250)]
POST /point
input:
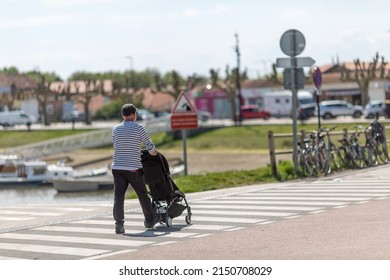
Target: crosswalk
[(89, 236)]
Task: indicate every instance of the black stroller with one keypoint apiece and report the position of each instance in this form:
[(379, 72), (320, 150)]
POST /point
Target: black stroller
[(168, 200)]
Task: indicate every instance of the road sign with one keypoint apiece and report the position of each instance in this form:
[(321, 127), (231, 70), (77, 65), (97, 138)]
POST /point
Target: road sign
[(292, 42), (183, 115), (287, 62), (317, 77), (299, 78)]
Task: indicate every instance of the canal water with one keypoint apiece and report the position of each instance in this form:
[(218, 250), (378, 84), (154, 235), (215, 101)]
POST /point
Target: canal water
[(48, 195)]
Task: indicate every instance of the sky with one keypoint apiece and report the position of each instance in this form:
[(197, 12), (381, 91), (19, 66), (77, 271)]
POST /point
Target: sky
[(189, 36)]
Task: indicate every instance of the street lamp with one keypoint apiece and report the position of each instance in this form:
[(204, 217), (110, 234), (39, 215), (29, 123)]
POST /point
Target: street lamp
[(131, 70)]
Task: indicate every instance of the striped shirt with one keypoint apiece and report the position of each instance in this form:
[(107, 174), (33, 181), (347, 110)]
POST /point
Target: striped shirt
[(127, 138)]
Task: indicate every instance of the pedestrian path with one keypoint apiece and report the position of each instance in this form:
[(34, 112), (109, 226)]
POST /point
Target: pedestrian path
[(91, 236)]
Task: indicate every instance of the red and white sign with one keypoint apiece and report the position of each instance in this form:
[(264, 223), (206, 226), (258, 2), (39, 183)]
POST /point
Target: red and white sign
[(183, 115)]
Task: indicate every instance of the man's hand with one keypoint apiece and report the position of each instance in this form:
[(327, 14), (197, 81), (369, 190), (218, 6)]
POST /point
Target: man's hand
[(153, 153)]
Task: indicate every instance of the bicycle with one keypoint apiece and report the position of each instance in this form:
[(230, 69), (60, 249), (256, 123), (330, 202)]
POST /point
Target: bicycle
[(347, 152), (332, 149), (372, 147), (306, 161), (379, 137)]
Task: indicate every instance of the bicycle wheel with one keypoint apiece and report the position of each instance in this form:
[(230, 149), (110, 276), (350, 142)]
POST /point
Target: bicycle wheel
[(306, 164), (335, 161), (372, 158), (357, 156), (382, 151), (342, 154), (324, 161)]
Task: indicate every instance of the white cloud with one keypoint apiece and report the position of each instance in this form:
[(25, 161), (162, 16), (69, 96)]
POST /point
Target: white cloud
[(37, 21)]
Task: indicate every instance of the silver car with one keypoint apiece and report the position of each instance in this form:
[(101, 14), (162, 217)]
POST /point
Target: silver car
[(374, 108), (333, 108)]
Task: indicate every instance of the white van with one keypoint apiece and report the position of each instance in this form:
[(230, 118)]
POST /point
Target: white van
[(11, 118), (279, 103)]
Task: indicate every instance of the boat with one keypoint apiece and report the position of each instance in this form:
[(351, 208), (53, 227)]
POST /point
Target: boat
[(84, 184), (18, 171)]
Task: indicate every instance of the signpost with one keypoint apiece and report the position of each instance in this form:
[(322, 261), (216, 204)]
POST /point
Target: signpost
[(184, 116), (317, 79), (292, 43)]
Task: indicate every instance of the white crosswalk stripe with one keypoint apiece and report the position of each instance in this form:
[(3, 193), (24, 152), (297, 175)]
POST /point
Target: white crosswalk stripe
[(91, 238), (51, 249)]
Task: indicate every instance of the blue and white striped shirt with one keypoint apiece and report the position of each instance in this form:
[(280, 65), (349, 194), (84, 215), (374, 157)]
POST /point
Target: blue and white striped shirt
[(127, 138)]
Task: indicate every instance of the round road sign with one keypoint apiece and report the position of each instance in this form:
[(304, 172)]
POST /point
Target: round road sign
[(292, 42)]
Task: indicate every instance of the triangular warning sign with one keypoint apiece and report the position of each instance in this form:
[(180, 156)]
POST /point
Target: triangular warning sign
[(183, 105)]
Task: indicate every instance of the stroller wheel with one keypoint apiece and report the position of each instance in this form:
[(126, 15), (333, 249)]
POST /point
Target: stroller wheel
[(168, 221), (188, 219)]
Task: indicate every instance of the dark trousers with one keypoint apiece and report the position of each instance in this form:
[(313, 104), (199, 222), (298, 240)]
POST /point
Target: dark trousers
[(122, 179)]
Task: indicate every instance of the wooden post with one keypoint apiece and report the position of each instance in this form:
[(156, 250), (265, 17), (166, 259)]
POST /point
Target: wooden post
[(303, 135), (345, 133), (271, 146)]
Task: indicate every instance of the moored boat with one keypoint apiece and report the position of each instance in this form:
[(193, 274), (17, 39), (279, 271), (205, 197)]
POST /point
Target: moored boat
[(84, 184), (18, 171)]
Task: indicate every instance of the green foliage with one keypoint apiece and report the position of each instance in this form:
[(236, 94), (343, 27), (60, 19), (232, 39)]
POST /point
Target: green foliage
[(161, 138), (285, 170), (9, 70), (110, 111), (49, 76)]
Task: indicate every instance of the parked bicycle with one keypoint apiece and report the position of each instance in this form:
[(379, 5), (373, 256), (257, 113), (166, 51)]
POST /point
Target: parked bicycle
[(379, 136), (332, 149)]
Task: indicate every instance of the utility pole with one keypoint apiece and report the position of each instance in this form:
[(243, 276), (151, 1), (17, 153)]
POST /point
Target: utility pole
[(238, 81)]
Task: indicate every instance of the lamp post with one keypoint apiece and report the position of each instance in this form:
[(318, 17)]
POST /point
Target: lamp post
[(131, 70)]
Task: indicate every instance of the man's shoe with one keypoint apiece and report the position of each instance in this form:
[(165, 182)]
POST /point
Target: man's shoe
[(119, 229), (151, 224)]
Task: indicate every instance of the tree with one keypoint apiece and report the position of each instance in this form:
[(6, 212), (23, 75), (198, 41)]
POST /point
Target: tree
[(274, 76), (89, 89), (42, 94), (227, 85), (364, 73), (20, 87)]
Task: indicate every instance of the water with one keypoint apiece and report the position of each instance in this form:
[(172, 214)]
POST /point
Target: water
[(48, 195)]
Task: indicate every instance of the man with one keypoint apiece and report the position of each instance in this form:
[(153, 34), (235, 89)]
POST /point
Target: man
[(127, 138)]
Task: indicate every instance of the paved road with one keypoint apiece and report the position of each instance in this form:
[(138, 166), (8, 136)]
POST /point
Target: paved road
[(224, 122), (344, 216)]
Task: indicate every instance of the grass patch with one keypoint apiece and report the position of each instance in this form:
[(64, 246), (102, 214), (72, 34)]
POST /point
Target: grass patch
[(15, 138)]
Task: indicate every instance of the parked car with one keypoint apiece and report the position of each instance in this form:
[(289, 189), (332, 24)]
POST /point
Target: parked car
[(143, 115), (73, 116), (306, 111), (254, 112), (374, 108), (11, 118), (334, 108)]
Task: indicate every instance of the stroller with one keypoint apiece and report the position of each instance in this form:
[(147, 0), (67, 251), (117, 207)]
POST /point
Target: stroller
[(167, 199)]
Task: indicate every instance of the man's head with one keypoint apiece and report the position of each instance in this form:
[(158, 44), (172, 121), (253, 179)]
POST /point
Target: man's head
[(128, 109)]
